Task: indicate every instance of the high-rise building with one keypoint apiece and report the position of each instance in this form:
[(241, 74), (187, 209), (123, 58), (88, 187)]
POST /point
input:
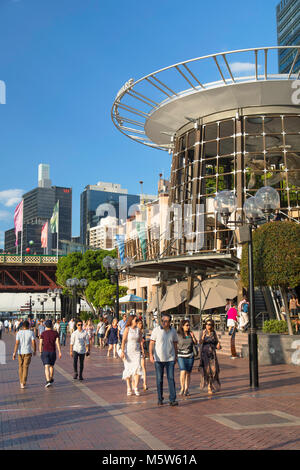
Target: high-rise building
[(44, 176), (38, 208), (102, 200), (288, 34)]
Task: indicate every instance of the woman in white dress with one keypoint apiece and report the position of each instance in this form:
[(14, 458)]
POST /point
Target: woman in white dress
[(132, 347)]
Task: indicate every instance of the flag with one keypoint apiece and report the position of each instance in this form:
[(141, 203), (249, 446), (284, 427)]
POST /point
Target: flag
[(141, 231), (54, 219), (121, 246), (44, 235), (18, 220)]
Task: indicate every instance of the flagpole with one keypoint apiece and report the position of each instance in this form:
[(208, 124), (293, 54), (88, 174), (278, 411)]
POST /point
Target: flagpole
[(22, 235), (57, 232)]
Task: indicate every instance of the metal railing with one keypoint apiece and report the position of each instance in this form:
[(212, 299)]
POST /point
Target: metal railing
[(158, 93), (28, 259)]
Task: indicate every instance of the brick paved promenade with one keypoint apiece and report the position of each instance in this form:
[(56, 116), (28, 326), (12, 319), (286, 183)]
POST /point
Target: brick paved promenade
[(97, 414)]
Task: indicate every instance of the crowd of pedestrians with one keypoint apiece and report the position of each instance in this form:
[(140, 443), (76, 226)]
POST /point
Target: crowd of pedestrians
[(126, 339)]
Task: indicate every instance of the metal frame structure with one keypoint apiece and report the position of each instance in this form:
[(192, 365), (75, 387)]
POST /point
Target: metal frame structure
[(159, 90)]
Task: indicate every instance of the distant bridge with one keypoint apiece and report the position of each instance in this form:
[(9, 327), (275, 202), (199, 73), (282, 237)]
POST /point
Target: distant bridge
[(27, 273)]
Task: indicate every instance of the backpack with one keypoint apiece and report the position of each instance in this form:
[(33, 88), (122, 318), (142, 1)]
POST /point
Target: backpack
[(245, 307)]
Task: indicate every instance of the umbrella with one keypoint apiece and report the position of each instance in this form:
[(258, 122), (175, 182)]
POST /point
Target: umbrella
[(176, 294), (214, 293), (131, 298)]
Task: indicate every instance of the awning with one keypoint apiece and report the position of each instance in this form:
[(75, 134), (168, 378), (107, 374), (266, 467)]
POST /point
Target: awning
[(212, 293), (130, 298), (175, 295), (204, 264)]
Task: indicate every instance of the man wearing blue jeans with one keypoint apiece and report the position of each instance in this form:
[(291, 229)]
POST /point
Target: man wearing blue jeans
[(163, 353)]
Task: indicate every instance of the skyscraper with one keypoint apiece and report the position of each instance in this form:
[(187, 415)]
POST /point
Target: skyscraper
[(38, 208), (288, 34), (102, 200), (44, 176)]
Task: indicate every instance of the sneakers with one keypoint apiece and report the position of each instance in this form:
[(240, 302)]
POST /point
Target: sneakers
[(81, 378), (160, 402), (173, 403), (75, 376), (48, 384), (51, 381)]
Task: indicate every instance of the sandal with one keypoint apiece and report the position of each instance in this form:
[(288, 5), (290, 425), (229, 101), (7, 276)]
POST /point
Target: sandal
[(181, 392), (145, 388), (129, 393), (136, 392)]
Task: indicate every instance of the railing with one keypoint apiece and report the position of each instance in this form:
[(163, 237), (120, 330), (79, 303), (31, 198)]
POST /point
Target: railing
[(137, 100), (28, 259)]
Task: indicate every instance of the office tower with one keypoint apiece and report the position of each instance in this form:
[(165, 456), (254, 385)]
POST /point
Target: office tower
[(44, 176), (102, 200), (38, 209), (288, 34)]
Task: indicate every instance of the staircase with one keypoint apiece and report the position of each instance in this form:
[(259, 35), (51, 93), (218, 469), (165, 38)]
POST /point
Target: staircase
[(241, 340)]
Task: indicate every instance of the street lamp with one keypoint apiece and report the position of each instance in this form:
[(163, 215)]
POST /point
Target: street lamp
[(31, 304), (42, 299), (75, 284), (114, 265), (256, 208), (53, 294)]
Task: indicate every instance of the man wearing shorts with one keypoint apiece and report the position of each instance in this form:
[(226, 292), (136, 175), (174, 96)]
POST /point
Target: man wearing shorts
[(49, 340)]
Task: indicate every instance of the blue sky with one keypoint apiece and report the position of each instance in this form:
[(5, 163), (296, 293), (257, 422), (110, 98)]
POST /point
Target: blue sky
[(63, 61)]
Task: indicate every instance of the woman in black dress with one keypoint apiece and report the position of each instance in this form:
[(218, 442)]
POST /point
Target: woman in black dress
[(209, 365)]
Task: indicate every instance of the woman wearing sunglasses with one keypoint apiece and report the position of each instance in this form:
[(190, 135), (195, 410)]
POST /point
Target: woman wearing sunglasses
[(186, 341), (209, 365)]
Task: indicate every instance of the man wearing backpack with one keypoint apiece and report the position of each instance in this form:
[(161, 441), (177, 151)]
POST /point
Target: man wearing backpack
[(243, 314)]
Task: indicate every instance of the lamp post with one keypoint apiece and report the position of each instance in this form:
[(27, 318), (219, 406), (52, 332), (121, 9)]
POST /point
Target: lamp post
[(75, 284), (42, 299), (256, 209), (31, 304), (113, 264), (53, 294)]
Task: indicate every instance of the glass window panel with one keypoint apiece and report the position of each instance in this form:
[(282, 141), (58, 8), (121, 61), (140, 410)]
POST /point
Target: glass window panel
[(226, 128), (276, 179), (292, 142), (210, 131), (294, 198), (182, 142), (292, 124), (294, 178), (226, 146), (181, 159), (272, 125), (190, 155), (210, 149), (254, 143), (254, 180), (209, 185), (273, 142), (210, 167), (191, 138), (226, 182), (253, 125), (226, 165)]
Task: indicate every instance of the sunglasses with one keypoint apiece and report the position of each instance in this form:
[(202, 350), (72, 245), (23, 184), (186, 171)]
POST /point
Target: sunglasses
[(209, 324), (79, 324)]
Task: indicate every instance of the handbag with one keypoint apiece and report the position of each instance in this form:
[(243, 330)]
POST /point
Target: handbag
[(195, 351)]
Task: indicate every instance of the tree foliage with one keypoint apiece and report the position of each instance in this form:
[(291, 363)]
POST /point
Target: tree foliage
[(276, 255), (99, 291)]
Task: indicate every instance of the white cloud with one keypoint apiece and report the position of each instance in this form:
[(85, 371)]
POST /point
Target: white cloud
[(11, 197), (243, 67)]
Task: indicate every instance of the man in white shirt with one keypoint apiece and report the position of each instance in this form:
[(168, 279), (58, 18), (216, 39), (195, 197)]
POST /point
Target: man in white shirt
[(71, 326), (79, 347), (163, 353), (26, 346), (6, 324)]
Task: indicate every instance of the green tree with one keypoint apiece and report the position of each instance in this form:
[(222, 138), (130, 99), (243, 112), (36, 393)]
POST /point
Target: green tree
[(88, 266), (276, 258), (102, 293)]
